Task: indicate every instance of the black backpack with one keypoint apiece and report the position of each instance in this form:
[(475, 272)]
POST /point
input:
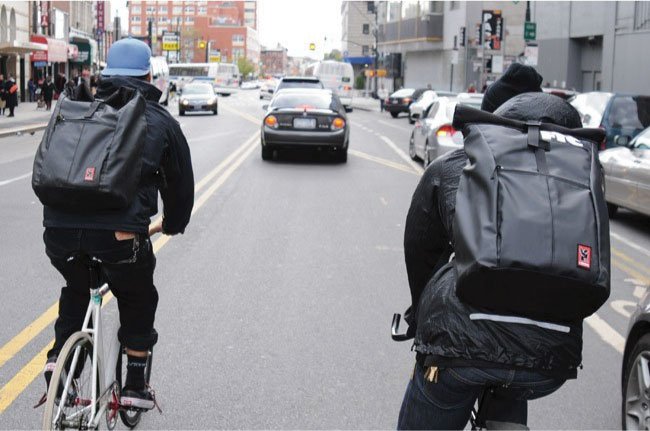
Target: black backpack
[(90, 157), (531, 228)]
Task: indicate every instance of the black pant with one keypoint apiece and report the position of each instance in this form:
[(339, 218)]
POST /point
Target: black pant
[(128, 268)]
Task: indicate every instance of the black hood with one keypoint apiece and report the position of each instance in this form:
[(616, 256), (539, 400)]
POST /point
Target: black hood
[(109, 85)]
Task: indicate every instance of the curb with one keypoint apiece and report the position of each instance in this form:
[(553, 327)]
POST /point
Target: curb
[(25, 129)]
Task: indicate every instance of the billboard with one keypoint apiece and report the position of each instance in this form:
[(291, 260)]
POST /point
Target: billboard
[(171, 41), (492, 29)]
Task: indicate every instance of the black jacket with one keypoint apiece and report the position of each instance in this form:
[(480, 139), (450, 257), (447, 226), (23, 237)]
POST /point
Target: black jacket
[(444, 333), (167, 167)]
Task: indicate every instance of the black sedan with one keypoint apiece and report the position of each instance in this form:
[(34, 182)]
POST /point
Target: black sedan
[(305, 118), (400, 100), (198, 97)]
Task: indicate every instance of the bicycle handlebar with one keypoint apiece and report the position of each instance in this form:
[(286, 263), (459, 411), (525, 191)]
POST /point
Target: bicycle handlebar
[(394, 330)]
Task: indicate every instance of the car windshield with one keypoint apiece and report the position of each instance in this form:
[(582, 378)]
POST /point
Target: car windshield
[(591, 107), (198, 89), (319, 100), (300, 84), (404, 92), (642, 141), (630, 112)]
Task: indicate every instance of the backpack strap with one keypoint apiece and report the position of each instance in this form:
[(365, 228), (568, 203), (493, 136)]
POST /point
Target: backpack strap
[(540, 147)]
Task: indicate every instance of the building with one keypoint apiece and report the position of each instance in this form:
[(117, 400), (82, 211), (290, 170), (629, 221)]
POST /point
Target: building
[(438, 43), (594, 45), (274, 61), (209, 30), (358, 33)]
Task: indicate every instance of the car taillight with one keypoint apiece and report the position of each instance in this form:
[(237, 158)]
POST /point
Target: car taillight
[(603, 145), (445, 131), (338, 124), (406, 100), (271, 121)]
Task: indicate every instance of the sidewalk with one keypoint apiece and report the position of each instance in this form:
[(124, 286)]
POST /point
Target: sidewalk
[(26, 119)]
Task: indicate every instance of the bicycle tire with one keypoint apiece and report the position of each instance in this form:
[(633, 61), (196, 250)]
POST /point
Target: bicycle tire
[(84, 341), (131, 418)]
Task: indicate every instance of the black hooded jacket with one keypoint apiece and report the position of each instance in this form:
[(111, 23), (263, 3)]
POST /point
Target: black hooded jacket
[(445, 335), (167, 167)]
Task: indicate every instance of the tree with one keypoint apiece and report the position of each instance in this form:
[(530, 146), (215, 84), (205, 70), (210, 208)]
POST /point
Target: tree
[(335, 54), (246, 67)]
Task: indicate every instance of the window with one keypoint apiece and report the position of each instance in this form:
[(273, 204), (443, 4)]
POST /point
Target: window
[(249, 10), (453, 5), (189, 9), (203, 10), (162, 20), (136, 30), (365, 50), (178, 10), (189, 20), (237, 52), (151, 10), (371, 6), (162, 9), (366, 29), (136, 10), (136, 18), (237, 38)]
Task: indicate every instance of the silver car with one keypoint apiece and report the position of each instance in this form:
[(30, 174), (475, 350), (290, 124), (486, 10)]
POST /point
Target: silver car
[(434, 135), (424, 102), (627, 173)]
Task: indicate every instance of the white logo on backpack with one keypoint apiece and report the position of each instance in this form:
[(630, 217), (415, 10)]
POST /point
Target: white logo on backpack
[(559, 137)]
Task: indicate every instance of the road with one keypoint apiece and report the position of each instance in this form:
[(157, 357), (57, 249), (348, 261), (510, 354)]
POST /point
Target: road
[(275, 304)]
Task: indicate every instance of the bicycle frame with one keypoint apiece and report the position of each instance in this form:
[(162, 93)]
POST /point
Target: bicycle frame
[(94, 312)]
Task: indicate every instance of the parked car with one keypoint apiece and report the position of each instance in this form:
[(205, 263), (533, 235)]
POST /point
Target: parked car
[(434, 135), (635, 376), (424, 102), (198, 96), (617, 114), (400, 100), (249, 85), (627, 173), (307, 118), (299, 82), (267, 89), (564, 93)]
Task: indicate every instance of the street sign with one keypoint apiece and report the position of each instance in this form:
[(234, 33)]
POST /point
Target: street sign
[(531, 53), (171, 41), (381, 73), (345, 54), (214, 56), (497, 64), (530, 31), (492, 29), (454, 56), (462, 36)]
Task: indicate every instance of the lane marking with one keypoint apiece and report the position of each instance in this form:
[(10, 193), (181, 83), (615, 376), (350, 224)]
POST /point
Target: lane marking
[(417, 168), (390, 164), (630, 271), (606, 332), (257, 121), (630, 260), (639, 291), (629, 243), (10, 391), (621, 307), (26, 335), (11, 180), (386, 123)]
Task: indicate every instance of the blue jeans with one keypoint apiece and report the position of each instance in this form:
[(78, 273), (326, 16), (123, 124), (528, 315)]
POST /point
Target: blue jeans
[(448, 403)]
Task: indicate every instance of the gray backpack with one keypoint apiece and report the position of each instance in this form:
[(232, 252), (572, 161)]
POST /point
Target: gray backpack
[(531, 228), (90, 157)]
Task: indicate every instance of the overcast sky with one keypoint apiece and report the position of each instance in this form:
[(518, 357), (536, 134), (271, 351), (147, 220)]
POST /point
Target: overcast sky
[(292, 23)]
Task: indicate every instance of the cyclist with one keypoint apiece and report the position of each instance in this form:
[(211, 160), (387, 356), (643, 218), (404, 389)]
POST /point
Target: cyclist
[(456, 357), (121, 238)]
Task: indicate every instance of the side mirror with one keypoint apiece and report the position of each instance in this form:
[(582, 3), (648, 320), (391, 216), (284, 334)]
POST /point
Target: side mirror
[(622, 140), (265, 107)]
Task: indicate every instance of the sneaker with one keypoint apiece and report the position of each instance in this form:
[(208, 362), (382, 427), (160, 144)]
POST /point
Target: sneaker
[(137, 398)]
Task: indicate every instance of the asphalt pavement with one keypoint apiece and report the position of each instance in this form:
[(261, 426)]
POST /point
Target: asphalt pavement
[(275, 305)]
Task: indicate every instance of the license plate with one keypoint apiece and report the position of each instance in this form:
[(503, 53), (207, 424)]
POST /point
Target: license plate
[(304, 123)]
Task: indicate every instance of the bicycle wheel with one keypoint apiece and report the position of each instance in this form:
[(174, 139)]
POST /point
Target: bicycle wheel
[(72, 409), (131, 417)]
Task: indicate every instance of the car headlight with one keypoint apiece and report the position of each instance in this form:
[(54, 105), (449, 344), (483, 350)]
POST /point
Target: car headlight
[(185, 102), (212, 101)]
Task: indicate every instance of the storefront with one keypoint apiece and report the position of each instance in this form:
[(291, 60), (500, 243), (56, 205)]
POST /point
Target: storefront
[(52, 61), (82, 64), (12, 60)]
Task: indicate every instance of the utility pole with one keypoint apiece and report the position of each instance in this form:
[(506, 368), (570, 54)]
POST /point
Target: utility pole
[(149, 32), (374, 6), (207, 51)]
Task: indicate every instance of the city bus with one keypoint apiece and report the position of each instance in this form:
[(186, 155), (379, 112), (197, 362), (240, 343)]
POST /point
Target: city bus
[(336, 76), (160, 77), (224, 77)]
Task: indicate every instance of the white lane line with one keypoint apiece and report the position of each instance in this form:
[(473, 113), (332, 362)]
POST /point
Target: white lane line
[(403, 155), (630, 243), (623, 307), (386, 123), (606, 332), (11, 180)]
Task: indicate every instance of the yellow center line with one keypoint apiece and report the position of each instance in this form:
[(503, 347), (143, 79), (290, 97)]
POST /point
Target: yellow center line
[(10, 391), (639, 266)]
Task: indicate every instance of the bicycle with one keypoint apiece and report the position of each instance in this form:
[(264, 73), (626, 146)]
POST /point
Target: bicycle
[(80, 398), (478, 416)]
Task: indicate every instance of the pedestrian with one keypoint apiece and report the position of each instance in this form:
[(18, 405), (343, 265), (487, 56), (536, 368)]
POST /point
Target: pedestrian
[(471, 88), (429, 87), (32, 90), (3, 95), (11, 92), (457, 357), (120, 237), (382, 93), (48, 92)]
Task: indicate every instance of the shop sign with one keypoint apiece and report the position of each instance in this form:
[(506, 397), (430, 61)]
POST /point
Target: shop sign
[(100, 17), (492, 29), (83, 50), (39, 56), (171, 41)]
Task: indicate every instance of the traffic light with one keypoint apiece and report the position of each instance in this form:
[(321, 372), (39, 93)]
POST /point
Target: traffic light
[(202, 44), (312, 47)]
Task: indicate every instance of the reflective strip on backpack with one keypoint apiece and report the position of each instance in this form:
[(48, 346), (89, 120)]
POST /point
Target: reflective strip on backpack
[(520, 320)]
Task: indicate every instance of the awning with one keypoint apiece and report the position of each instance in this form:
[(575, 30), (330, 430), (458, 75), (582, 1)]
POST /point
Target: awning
[(17, 47), (359, 60), (56, 52), (84, 50), (73, 51)]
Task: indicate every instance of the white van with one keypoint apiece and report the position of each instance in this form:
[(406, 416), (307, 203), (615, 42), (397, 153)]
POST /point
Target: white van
[(160, 77), (224, 77), (336, 76)]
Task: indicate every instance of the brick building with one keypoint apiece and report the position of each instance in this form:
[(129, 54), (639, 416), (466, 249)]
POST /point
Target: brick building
[(228, 27), (275, 61)]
